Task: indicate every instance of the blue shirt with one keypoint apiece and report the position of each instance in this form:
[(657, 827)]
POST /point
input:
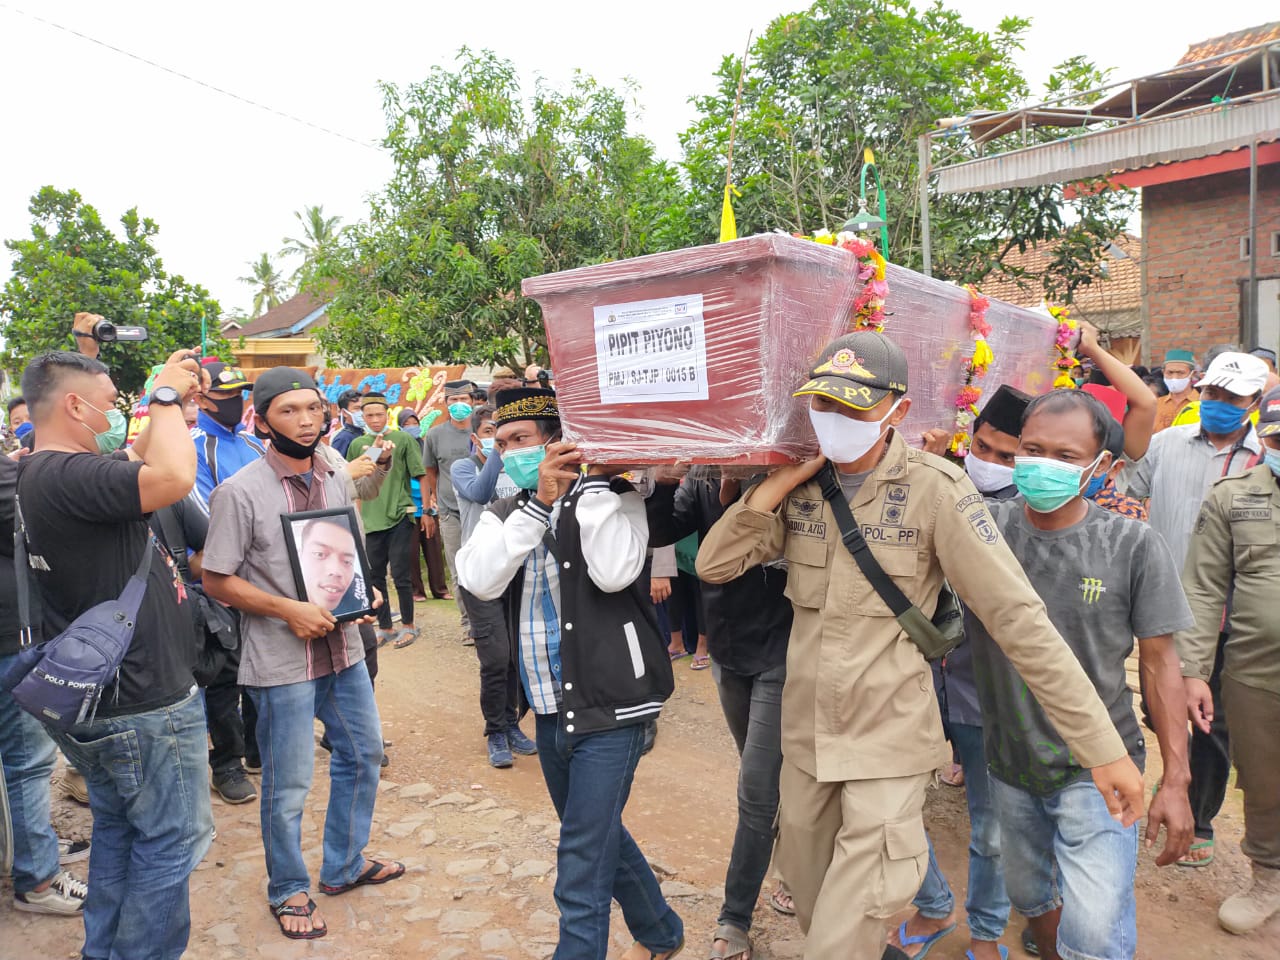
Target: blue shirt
[(220, 453), (343, 438)]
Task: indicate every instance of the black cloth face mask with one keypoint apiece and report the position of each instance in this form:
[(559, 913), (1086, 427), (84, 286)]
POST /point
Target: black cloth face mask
[(229, 410)]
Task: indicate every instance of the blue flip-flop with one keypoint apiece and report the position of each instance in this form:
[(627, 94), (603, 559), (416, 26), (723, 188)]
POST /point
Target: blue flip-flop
[(1004, 952), (927, 941)]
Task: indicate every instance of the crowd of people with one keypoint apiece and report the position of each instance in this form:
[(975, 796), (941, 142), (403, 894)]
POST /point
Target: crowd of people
[(984, 632)]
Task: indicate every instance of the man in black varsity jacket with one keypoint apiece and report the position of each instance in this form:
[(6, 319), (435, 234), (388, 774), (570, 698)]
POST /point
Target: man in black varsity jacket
[(564, 556)]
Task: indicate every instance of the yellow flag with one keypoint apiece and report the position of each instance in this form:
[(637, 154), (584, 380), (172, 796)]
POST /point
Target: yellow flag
[(728, 225)]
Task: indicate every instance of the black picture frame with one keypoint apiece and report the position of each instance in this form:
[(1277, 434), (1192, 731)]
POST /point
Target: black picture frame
[(319, 569)]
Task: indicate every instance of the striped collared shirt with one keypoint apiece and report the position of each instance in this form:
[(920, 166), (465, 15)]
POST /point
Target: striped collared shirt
[(540, 622), (1176, 474)]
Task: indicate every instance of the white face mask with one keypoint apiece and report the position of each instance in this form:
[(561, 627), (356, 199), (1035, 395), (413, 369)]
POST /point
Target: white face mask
[(987, 477), (843, 439), (1177, 386)]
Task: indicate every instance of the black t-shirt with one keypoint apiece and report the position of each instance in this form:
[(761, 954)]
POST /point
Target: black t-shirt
[(85, 533), (8, 585)]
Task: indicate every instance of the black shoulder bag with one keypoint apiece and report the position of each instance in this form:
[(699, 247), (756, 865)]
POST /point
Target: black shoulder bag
[(61, 681), (935, 638), (217, 628)]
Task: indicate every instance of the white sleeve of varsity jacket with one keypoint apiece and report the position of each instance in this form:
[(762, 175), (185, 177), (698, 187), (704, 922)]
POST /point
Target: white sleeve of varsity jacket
[(615, 534), (496, 550)]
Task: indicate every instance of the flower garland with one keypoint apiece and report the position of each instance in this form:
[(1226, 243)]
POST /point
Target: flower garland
[(868, 308), (1066, 361), (975, 368)]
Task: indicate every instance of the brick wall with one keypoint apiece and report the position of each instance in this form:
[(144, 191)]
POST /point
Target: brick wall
[(1191, 234)]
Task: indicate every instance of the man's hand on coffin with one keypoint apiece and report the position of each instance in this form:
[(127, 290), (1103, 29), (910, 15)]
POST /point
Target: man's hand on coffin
[(936, 441), (774, 488), (558, 470)]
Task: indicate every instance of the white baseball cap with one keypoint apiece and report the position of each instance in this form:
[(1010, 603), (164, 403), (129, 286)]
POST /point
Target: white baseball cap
[(1242, 374)]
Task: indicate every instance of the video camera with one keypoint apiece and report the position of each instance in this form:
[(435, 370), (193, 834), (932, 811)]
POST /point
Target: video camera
[(104, 331)]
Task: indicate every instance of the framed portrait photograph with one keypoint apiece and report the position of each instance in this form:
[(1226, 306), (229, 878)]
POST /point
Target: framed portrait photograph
[(330, 568)]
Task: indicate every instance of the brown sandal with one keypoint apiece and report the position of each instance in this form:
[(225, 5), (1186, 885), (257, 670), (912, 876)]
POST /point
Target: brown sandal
[(369, 877)]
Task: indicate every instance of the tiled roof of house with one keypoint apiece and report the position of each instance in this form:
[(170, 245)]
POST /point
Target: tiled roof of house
[(1113, 304), (1238, 40), (283, 316)]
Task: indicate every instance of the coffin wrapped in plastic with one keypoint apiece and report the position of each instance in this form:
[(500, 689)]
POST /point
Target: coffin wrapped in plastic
[(692, 356)]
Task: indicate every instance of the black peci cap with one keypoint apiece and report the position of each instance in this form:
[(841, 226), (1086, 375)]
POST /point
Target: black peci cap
[(1004, 410), (526, 403)]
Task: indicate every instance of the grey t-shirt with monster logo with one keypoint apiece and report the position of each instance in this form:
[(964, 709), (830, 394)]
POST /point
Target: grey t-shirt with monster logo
[(1104, 581)]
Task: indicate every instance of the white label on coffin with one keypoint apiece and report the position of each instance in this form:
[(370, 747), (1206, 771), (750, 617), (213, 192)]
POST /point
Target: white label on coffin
[(652, 351)]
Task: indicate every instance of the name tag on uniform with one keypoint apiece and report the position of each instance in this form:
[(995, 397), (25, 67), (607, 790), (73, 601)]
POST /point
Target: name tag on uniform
[(1250, 506), (804, 518)]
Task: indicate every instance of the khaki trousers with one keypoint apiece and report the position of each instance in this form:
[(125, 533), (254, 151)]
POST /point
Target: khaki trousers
[(1255, 719), (852, 854)]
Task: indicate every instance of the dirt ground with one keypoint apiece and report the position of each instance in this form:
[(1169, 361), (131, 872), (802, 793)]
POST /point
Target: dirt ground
[(480, 844)]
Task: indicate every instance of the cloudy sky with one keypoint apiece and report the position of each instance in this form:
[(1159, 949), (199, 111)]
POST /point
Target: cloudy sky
[(222, 177)]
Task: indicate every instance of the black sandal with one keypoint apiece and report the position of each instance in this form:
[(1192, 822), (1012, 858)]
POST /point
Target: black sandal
[(369, 877), (298, 910)]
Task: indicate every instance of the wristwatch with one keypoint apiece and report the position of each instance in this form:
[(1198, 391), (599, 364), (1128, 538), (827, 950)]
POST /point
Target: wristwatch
[(166, 397)]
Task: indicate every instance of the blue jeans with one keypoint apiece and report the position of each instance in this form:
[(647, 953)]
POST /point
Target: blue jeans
[(589, 779), (344, 702), (1065, 850), (28, 761), (148, 778), (987, 903)]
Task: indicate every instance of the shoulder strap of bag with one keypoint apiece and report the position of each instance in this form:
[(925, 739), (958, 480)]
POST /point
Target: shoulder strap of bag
[(174, 540), (852, 538)]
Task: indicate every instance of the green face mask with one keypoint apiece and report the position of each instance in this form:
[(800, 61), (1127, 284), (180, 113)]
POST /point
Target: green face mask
[(522, 465), (113, 438)]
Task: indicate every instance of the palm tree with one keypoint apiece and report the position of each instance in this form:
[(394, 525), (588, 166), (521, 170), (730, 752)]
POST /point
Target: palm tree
[(319, 233), (267, 283)]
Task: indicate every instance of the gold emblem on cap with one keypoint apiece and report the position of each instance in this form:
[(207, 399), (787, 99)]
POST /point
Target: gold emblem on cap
[(527, 407), (844, 362)]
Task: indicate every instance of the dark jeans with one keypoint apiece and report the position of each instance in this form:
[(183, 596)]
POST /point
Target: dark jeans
[(752, 707), (29, 756), (433, 554), (149, 793), (369, 640), (589, 780), (226, 727), (498, 678), (1209, 757), (392, 546)]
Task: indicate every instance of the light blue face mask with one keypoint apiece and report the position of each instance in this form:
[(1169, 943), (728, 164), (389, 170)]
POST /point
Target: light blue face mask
[(1272, 459), (486, 446), (522, 465), (357, 420), (460, 411), (413, 431), (1047, 484), (111, 439)]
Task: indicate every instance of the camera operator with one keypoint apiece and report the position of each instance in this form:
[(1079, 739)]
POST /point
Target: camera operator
[(85, 505)]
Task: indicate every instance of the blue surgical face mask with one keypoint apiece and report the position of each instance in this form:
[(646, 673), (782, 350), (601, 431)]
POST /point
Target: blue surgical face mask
[(1220, 417), (522, 465), (1272, 459), (459, 410), (1048, 485), (357, 419), (486, 446), (23, 429), (111, 439), (1094, 487), (413, 431)]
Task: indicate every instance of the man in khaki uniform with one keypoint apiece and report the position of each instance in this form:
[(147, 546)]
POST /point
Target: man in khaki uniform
[(1235, 552), (861, 732)]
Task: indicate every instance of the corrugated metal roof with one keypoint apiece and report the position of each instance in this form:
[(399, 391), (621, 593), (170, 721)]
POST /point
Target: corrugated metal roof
[(1231, 41), (1129, 147)]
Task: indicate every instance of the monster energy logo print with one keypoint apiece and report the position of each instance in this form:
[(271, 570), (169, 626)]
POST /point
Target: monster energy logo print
[(1092, 589)]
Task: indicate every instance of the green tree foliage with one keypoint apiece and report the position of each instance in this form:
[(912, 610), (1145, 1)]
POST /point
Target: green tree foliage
[(73, 262), (268, 284), (489, 188), (845, 75), (319, 233)]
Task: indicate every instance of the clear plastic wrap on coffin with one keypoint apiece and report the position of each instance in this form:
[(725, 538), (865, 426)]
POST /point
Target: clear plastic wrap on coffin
[(692, 356)]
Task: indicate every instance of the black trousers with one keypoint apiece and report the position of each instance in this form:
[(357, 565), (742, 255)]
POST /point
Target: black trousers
[(1209, 757), (499, 682), (226, 727), (392, 546)]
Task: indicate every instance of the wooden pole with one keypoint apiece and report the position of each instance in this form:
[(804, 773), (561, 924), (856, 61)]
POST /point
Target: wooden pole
[(737, 102)]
